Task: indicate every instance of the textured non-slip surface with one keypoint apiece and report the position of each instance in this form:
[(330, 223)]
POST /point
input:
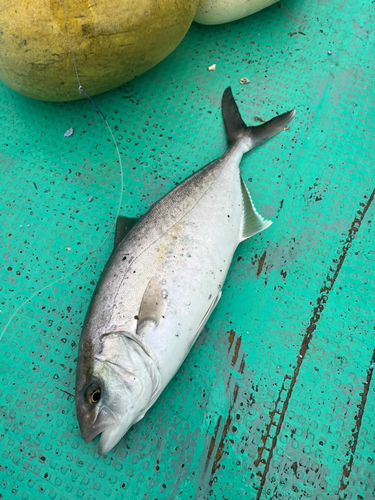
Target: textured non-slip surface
[(276, 399)]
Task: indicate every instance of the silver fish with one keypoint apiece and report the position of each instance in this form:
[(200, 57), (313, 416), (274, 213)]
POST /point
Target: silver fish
[(160, 285)]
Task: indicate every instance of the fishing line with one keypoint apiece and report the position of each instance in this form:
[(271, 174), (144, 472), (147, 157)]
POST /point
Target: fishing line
[(70, 42), (91, 255)]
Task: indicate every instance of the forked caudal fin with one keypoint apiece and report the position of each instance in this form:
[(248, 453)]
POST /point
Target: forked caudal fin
[(247, 138), (237, 131)]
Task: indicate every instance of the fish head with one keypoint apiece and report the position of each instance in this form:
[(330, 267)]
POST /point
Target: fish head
[(116, 384)]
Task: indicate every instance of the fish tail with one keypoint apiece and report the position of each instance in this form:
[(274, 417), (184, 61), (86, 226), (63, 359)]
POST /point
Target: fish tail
[(249, 137)]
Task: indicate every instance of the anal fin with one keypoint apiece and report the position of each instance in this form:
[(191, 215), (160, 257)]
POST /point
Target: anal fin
[(252, 222)]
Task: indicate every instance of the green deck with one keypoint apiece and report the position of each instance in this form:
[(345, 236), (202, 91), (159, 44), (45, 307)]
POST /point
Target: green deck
[(276, 399)]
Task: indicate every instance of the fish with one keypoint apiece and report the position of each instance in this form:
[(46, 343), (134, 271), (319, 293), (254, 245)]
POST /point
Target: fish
[(161, 283)]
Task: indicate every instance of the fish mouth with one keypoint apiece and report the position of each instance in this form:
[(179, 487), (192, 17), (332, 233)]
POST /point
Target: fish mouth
[(110, 437), (104, 420)]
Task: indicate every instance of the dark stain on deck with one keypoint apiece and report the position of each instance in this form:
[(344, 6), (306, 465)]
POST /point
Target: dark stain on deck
[(221, 446), (261, 263), (328, 284), (294, 467)]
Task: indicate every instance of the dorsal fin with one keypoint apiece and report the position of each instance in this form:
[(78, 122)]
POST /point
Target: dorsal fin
[(123, 226), (252, 222), (151, 309)]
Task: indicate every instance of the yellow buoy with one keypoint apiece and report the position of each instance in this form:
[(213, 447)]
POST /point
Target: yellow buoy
[(113, 42)]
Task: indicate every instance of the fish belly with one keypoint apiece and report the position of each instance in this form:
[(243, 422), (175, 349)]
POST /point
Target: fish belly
[(191, 263)]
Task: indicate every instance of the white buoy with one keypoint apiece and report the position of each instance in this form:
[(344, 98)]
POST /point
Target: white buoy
[(225, 11)]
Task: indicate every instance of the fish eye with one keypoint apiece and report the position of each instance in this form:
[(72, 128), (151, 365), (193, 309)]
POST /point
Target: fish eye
[(93, 394)]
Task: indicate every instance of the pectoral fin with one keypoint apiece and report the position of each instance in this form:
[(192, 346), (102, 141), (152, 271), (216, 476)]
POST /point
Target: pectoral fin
[(123, 226), (151, 310), (252, 222)]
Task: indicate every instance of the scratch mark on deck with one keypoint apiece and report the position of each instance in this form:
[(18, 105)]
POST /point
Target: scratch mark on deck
[(266, 435), (220, 448), (231, 339), (346, 470), (328, 284), (212, 443), (235, 354), (236, 349)]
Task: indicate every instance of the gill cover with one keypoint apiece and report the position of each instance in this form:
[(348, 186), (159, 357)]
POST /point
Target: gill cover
[(128, 381)]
